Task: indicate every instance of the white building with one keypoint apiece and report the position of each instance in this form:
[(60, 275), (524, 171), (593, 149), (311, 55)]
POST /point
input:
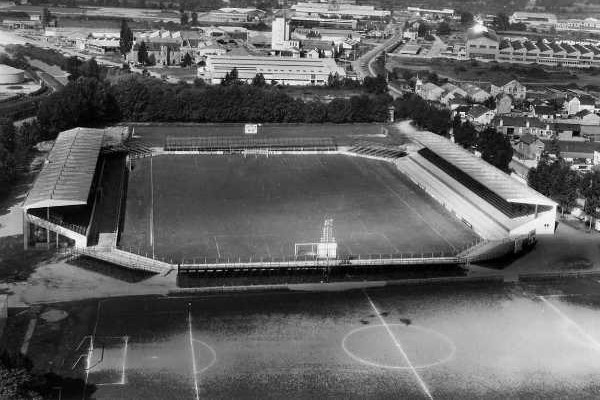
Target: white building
[(283, 70), (280, 35), (338, 10), (582, 25), (532, 18)]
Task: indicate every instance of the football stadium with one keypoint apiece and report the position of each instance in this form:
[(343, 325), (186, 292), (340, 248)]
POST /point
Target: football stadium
[(218, 197)]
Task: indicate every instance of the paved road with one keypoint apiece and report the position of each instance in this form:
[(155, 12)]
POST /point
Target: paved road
[(364, 65)]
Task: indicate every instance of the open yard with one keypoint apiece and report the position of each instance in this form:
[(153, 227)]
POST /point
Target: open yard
[(434, 342), (229, 207)]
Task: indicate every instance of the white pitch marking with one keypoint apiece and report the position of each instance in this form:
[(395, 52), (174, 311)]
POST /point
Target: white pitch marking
[(151, 206), (579, 329), (217, 244), (124, 360), (194, 369), (399, 347), (28, 335)]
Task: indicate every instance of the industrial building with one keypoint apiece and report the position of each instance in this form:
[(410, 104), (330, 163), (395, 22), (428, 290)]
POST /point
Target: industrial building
[(338, 10), (483, 44), (283, 70)]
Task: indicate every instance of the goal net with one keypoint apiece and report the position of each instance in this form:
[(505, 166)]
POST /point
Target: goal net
[(306, 249)]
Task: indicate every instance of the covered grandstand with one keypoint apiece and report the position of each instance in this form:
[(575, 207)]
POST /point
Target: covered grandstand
[(494, 204), (238, 144), (59, 204), (376, 150)]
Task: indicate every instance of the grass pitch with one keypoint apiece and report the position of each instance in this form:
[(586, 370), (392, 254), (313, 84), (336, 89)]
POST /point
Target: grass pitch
[(442, 342), (229, 207)]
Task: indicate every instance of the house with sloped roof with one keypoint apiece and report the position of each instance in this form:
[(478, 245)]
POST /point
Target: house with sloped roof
[(475, 93), (428, 91), (504, 104), (511, 87), (519, 125), (480, 115), (542, 111), (528, 147)]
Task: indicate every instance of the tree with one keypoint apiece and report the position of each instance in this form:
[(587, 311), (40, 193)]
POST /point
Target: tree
[(72, 65), (16, 384), (194, 18), (495, 148), (259, 80), (183, 18), (231, 78), (46, 17), (501, 22), (377, 85), (466, 18), (125, 39), (187, 60), (465, 135), (142, 54), (443, 28), (90, 69), (423, 29), (590, 190)]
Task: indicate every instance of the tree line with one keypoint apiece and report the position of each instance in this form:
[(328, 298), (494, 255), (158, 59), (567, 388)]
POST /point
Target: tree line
[(553, 177), (89, 101)]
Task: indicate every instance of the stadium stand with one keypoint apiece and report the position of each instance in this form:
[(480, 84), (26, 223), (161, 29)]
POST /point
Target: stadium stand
[(61, 198), (372, 149), (511, 210), (235, 144), (513, 206)]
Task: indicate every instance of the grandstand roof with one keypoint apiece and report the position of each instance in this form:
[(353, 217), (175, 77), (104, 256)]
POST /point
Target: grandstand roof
[(497, 181), (67, 174)]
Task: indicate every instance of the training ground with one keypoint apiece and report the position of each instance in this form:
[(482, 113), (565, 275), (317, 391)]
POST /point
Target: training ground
[(215, 208), (483, 341)]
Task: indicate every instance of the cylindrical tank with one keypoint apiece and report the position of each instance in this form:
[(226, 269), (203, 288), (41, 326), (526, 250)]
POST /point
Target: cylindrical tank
[(10, 75)]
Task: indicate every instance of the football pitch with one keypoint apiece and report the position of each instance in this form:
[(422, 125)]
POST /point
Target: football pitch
[(230, 207), (434, 342)]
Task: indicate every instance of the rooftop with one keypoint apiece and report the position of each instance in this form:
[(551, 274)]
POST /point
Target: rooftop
[(67, 174), (495, 180)]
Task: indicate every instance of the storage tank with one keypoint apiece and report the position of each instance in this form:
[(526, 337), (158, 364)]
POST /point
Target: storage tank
[(10, 75)]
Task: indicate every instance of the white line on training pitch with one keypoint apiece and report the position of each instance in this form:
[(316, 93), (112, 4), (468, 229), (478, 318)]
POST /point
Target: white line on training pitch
[(399, 347), (28, 335), (124, 360), (151, 207), (579, 329), (194, 369)]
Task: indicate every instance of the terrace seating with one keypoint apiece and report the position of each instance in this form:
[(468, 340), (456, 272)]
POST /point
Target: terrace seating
[(482, 223), (236, 144), (373, 149), (511, 210)]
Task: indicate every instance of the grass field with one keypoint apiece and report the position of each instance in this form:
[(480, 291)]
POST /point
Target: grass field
[(189, 206), (436, 342)]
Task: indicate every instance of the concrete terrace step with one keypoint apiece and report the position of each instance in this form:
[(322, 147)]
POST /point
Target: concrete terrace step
[(125, 259)]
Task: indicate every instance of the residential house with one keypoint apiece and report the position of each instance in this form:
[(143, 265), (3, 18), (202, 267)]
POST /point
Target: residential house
[(542, 111), (580, 153), (158, 53), (528, 147), (575, 104), (568, 131), (428, 91), (451, 92), (475, 93), (512, 87), (504, 103), (480, 115), (517, 125)]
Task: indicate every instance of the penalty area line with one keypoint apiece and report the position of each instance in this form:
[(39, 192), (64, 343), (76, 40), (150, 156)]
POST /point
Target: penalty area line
[(578, 327), (194, 368), (399, 347)]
